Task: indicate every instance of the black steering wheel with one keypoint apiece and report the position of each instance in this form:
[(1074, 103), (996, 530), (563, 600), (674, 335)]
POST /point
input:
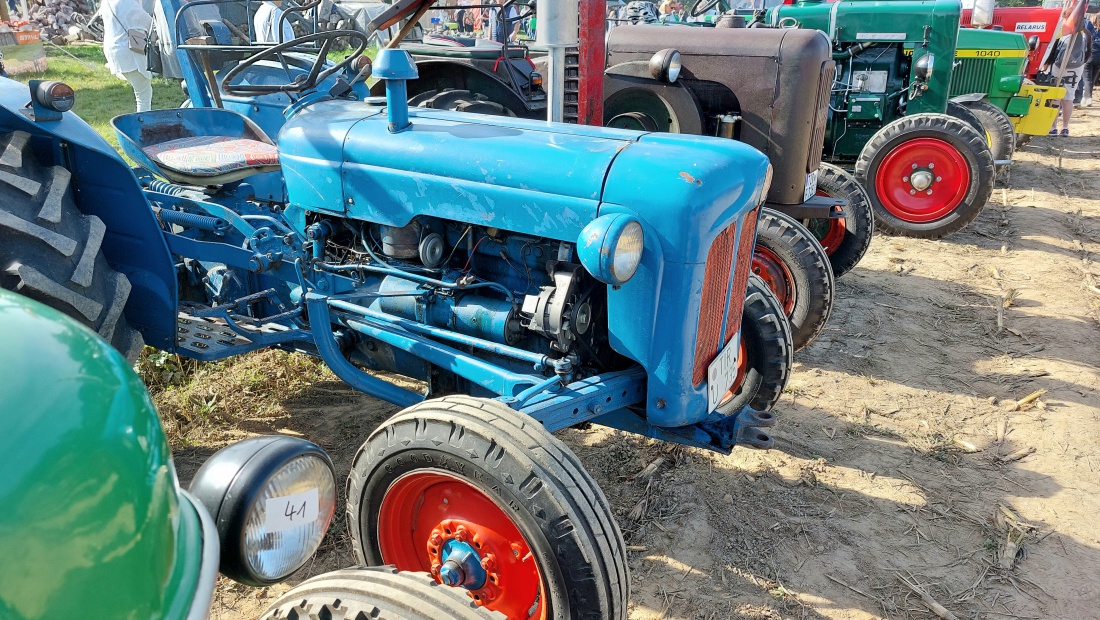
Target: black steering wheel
[(700, 7), (317, 73)]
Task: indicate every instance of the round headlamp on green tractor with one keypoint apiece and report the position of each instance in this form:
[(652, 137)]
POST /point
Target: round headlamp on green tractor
[(272, 499), (610, 247), (923, 69)]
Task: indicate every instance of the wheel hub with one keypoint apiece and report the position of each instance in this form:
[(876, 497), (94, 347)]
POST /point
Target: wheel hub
[(921, 180)]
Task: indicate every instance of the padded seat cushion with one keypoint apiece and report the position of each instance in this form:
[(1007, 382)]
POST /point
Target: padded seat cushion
[(213, 155)]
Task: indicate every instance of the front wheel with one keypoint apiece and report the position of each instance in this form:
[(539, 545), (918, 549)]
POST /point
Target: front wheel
[(796, 268), (766, 355), (928, 175), (999, 132), (375, 592), (491, 504), (847, 238)]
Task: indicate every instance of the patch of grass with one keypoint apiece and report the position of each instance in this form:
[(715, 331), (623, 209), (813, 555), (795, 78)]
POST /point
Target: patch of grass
[(100, 96)]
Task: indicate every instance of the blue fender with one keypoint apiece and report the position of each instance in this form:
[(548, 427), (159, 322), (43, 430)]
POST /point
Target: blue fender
[(105, 186)]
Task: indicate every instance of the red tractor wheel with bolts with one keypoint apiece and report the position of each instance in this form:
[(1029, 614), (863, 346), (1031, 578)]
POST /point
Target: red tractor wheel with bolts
[(488, 501), (928, 175), (796, 268), (845, 239)]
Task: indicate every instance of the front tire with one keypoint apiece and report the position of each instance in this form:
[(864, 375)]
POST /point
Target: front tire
[(51, 252), (796, 268), (467, 471), (375, 592), (953, 162), (766, 355), (845, 239), (999, 132)]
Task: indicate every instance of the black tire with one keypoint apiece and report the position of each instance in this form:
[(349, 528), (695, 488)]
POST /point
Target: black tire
[(379, 592), (858, 221), (964, 113), (796, 268), (943, 217), (768, 349), (51, 252), (506, 457), (460, 101), (999, 132)]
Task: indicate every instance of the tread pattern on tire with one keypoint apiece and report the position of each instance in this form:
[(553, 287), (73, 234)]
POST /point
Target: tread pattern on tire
[(999, 127), (769, 347), (809, 265), (589, 515), (376, 593), (51, 252), (971, 145), (859, 217)]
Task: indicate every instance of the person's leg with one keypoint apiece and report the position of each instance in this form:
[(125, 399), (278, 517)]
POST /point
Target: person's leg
[(143, 89)]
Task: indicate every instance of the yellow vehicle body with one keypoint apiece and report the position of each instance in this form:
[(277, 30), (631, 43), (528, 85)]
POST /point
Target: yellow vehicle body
[(1042, 111)]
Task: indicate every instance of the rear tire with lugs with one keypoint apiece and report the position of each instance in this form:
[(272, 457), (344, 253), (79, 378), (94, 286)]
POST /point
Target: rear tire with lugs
[(51, 252), (845, 239), (380, 592)]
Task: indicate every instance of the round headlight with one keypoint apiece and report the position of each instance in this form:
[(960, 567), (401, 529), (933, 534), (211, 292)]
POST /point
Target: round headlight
[(665, 65), (56, 96), (610, 247), (1033, 42), (272, 499), (923, 68)]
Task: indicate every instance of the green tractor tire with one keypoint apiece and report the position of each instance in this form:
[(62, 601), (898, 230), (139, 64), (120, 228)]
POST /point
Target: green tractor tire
[(928, 175), (999, 132)]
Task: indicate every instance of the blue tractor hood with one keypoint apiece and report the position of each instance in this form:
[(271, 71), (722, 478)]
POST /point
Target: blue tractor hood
[(341, 158), (696, 198)]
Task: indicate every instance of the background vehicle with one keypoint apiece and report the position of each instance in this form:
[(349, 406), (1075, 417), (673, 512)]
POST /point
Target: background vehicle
[(927, 173), (564, 294), (95, 500)]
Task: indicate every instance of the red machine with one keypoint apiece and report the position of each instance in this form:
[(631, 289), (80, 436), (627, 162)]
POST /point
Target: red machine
[(1027, 21)]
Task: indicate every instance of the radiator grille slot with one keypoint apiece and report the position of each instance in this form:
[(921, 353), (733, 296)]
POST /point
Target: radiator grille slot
[(817, 138), (718, 294), (972, 75)]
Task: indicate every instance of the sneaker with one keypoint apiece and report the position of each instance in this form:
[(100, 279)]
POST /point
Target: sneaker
[(1065, 132), (1053, 132), (1088, 102)]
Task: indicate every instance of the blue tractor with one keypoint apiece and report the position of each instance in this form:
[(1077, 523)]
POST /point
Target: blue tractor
[(602, 286)]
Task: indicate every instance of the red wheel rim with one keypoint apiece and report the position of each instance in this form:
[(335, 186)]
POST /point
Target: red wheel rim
[(830, 233), (922, 180), (423, 509), (776, 275)]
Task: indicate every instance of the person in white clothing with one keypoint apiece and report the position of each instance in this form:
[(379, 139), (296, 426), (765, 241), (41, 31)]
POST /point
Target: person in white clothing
[(266, 22), (119, 18)]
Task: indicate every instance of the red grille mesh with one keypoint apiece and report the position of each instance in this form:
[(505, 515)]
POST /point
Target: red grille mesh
[(741, 275), (716, 281)]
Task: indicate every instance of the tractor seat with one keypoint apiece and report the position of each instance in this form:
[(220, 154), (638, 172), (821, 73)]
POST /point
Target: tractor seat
[(196, 146)]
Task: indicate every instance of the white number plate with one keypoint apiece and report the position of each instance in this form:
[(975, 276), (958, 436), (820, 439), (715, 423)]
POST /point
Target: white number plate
[(290, 511), (721, 374), (811, 186)]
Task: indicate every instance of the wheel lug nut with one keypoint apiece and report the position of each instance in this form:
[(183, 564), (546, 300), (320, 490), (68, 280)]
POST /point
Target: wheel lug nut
[(461, 533), (904, 179), (931, 165), (488, 562), (435, 540), (912, 191), (914, 166), (939, 178), (929, 192)]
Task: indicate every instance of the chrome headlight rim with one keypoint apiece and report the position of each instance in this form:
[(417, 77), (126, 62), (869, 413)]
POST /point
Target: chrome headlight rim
[(665, 65), (924, 67), (232, 482)]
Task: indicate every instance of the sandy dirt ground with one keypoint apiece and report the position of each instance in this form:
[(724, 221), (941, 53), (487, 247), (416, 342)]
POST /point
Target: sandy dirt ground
[(905, 462)]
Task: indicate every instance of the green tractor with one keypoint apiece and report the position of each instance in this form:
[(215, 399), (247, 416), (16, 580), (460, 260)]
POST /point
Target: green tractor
[(989, 79), (923, 159)]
